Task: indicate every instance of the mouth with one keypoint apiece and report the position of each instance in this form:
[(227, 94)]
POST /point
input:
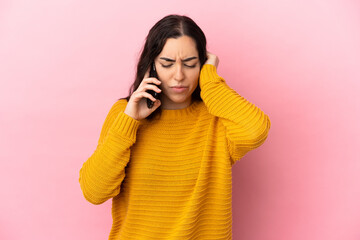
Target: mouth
[(179, 88)]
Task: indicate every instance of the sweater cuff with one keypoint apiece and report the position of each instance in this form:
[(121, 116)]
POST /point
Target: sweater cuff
[(208, 74), (126, 126)]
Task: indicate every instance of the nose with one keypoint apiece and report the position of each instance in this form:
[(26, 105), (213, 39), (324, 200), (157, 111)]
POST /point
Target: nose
[(179, 72)]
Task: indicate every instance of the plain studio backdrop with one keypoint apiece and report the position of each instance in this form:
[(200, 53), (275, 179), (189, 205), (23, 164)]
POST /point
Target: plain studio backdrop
[(64, 63)]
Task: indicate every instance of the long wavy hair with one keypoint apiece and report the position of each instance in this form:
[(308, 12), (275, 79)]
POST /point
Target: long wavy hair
[(171, 26)]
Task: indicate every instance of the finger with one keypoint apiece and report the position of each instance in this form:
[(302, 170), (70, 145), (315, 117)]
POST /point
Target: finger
[(152, 87), (138, 96), (151, 80), (147, 95), (148, 86), (146, 81), (157, 104)]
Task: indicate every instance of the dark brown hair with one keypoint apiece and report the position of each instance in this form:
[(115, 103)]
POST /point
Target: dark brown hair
[(171, 26)]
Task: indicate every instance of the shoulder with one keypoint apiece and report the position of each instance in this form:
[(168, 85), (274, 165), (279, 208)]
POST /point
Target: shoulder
[(202, 111), (117, 107)]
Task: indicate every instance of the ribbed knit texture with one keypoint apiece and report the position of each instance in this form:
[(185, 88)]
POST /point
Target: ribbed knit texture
[(170, 178)]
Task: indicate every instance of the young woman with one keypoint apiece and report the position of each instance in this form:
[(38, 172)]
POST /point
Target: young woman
[(167, 167)]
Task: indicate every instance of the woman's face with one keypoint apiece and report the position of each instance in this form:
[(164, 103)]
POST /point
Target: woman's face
[(178, 68)]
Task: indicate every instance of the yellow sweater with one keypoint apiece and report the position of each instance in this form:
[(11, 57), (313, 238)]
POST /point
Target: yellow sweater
[(170, 178)]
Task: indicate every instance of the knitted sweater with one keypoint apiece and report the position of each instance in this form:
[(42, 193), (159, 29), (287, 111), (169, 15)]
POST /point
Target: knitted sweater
[(170, 178)]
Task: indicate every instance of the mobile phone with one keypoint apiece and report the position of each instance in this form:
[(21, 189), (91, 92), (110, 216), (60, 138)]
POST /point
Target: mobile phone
[(156, 95)]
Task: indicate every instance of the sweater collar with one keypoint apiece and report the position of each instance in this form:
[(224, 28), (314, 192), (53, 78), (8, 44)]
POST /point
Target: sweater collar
[(180, 113)]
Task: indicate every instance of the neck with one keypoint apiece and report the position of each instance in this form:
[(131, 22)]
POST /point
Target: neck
[(169, 105)]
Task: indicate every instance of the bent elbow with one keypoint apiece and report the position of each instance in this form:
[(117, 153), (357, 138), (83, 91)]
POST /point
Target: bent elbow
[(262, 133), (90, 194), (92, 199)]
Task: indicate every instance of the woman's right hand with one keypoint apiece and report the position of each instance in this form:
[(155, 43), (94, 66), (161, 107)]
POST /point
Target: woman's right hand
[(137, 106)]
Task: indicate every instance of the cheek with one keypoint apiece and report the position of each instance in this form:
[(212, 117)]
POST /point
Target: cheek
[(194, 77), (164, 75)]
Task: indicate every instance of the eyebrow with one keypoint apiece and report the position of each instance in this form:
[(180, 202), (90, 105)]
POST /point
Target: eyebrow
[(172, 60)]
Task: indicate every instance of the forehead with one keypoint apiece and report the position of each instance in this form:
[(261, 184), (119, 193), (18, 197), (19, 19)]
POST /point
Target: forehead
[(182, 47)]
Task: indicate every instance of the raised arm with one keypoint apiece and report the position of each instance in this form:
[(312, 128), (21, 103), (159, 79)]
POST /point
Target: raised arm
[(102, 174), (246, 125)]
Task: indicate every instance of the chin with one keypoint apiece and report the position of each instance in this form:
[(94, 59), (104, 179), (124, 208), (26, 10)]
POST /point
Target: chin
[(179, 100)]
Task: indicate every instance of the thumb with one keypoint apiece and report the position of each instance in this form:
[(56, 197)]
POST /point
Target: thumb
[(156, 105)]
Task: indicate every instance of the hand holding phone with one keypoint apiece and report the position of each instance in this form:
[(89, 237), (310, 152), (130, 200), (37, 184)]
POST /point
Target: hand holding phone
[(156, 95)]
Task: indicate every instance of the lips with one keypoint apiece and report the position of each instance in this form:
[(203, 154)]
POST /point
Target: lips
[(178, 88)]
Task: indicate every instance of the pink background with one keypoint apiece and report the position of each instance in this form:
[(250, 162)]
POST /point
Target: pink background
[(64, 63)]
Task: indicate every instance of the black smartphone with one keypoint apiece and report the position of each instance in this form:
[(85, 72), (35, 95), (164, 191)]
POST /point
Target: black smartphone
[(156, 95)]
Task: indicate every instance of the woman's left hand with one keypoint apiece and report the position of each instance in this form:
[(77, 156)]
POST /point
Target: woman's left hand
[(212, 59)]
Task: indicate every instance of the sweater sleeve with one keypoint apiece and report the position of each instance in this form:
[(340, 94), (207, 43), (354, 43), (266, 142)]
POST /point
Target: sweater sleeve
[(103, 172), (246, 125)]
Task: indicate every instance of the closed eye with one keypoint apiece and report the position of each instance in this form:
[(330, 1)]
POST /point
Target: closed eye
[(189, 66), (166, 66)]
